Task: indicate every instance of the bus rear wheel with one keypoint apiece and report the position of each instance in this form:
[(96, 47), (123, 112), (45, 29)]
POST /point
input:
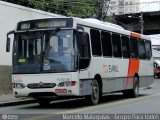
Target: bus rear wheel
[(134, 92), (95, 96)]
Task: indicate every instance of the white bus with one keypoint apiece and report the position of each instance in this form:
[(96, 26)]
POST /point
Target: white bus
[(73, 57)]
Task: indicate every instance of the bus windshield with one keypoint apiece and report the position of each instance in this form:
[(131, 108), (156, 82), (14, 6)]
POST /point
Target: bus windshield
[(44, 51)]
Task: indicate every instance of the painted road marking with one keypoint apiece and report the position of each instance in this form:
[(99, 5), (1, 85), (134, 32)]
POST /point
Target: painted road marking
[(103, 105)]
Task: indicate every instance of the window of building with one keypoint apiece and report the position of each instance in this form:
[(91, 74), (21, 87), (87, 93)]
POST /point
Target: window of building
[(125, 46), (121, 3), (133, 48), (148, 49), (116, 45), (95, 41), (111, 7), (141, 49), (113, 2), (106, 43)]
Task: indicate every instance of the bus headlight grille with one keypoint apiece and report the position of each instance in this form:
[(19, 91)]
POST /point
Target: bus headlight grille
[(41, 85)]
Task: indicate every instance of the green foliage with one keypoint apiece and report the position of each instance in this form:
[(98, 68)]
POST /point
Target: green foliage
[(47, 5), (79, 8), (82, 8)]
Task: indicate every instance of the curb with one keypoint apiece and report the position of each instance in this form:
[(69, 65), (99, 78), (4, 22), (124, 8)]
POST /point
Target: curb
[(13, 103)]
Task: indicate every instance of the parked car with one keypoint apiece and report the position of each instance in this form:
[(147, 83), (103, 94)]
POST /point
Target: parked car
[(156, 64)]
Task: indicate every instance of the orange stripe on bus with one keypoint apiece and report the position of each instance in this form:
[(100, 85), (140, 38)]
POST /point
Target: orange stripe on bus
[(136, 35), (133, 68)]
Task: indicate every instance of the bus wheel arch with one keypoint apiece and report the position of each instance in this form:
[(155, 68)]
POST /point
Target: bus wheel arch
[(99, 80), (134, 92), (94, 98), (136, 75)]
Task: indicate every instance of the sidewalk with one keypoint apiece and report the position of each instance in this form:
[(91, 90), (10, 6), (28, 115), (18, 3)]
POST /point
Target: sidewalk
[(10, 100)]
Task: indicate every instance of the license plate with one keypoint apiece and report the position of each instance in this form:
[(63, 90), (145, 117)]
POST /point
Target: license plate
[(61, 90)]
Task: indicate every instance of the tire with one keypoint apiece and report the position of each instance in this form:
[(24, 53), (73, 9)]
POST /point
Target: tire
[(158, 75), (43, 102), (135, 90), (93, 99), (133, 93), (154, 75)]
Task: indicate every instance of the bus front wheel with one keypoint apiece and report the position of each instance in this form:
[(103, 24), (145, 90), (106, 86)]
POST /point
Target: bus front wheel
[(43, 102), (94, 97)]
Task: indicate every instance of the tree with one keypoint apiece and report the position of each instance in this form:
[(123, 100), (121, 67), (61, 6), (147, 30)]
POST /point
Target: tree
[(53, 6), (20, 2), (82, 8), (77, 8)]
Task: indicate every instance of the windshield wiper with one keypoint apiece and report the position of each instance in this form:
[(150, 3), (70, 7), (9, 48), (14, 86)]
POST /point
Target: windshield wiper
[(52, 60)]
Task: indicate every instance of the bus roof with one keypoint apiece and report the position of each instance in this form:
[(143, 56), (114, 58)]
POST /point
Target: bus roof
[(94, 23), (92, 20)]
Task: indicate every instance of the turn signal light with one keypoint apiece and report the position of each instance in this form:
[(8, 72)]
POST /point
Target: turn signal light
[(73, 83), (67, 83), (18, 85), (13, 85)]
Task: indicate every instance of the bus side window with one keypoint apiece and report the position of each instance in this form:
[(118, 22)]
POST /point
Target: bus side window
[(116, 45), (148, 49), (125, 46), (106, 43), (133, 47), (141, 49), (96, 43)]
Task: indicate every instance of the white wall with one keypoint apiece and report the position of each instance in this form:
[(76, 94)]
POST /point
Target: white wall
[(10, 14)]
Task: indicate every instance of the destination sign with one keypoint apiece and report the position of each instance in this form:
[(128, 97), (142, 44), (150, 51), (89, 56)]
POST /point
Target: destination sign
[(45, 23)]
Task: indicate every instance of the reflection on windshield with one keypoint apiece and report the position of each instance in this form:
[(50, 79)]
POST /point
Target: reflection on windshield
[(59, 51), (47, 51), (27, 50)]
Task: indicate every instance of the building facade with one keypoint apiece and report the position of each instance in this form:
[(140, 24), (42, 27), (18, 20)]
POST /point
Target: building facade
[(123, 7)]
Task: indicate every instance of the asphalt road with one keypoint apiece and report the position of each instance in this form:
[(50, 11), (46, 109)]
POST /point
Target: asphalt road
[(147, 103)]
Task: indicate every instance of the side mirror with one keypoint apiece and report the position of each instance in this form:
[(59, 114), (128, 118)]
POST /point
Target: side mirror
[(80, 28), (8, 44), (9, 40)]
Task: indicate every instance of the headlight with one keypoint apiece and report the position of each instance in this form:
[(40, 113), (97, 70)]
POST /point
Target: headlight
[(67, 83), (18, 85)]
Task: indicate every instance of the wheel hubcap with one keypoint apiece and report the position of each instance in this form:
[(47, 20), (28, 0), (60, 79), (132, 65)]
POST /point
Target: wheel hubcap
[(95, 92), (136, 86)]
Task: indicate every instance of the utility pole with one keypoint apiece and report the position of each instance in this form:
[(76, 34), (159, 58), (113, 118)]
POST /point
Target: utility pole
[(114, 18), (106, 7), (142, 23), (100, 9), (103, 8)]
